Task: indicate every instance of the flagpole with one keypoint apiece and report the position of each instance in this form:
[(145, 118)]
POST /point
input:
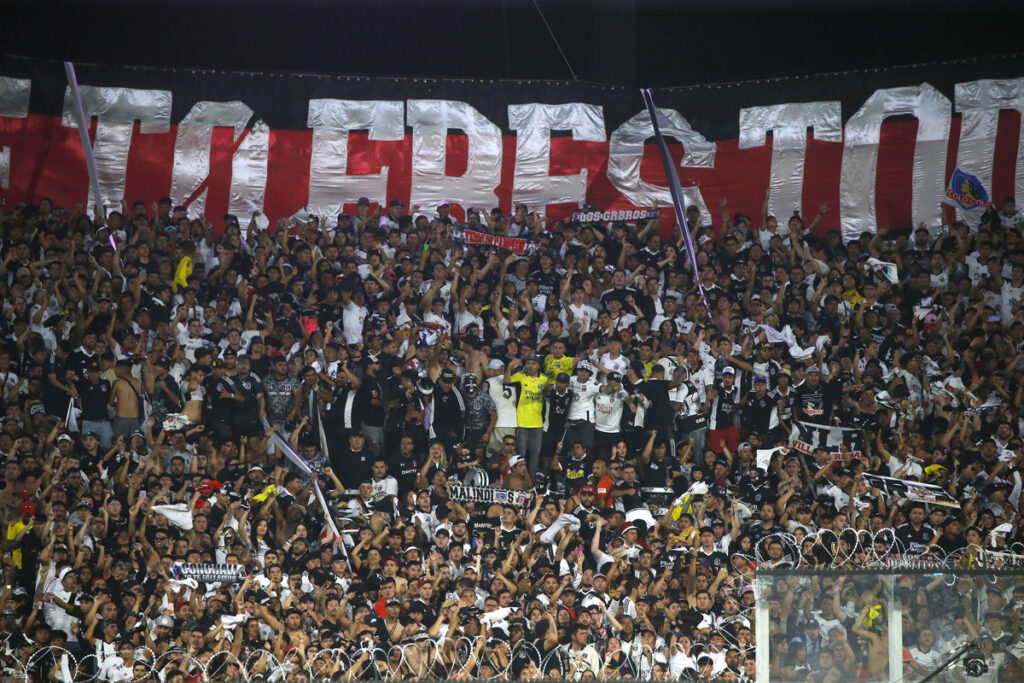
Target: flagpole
[(677, 199), (78, 110)]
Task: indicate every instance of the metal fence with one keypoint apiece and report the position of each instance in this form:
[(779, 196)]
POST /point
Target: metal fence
[(421, 661)]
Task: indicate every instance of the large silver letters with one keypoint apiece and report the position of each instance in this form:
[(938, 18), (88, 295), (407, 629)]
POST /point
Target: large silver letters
[(788, 124), (979, 103), (431, 121), (116, 111), (626, 151), (860, 157), (14, 94), (532, 183), (330, 185)]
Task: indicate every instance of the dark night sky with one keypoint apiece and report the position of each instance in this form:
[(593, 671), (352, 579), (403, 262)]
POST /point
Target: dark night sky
[(629, 42)]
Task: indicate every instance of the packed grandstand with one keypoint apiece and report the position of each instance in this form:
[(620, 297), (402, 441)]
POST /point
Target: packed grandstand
[(379, 446)]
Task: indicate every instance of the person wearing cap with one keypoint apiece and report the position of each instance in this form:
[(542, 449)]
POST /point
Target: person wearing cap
[(582, 412), (219, 400), (759, 412), (531, 387), (724, 405), (505, 399), (814, 399), (246, 413), (391, 219), (481, 416), (557, 426), (449, 411), (93, 398), (518, 478), (609, 404)]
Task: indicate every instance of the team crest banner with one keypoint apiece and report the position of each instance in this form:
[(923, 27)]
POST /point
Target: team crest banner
[(967, 192), (878, 148)]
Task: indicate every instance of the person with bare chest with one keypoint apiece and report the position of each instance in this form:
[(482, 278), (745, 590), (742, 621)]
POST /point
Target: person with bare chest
[(126, 400)]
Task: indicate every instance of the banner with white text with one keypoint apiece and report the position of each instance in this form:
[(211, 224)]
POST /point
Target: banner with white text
[(877, 147), (839, 442)]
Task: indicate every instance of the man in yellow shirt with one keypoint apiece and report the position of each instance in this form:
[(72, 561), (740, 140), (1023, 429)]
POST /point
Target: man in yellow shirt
[(556, 361), (17, 529), (533, 386)]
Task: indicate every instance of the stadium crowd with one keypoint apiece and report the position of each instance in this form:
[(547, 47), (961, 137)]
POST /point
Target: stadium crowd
[(175, 393)]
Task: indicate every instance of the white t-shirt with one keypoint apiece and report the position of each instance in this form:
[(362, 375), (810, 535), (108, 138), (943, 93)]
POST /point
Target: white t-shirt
[(609, 411), (581, 313), (353, 317), (927, 660), (617, 365), (504, 401), (466, 318), (191, 344), (583, 395), (387, 486)]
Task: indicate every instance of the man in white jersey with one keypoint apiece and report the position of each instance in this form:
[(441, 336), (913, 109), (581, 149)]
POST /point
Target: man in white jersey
[(582, 412), (190, 338), (504, 398), (609, 403), (613, 360)]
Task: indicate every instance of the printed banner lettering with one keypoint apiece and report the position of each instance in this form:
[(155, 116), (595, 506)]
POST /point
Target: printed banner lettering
[(516, 244), (209, 572), (837, 441), (932, 494), (488, 494)]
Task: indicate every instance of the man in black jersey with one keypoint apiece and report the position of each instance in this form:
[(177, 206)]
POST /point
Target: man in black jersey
[(94, 393), (916, 534), (814, 400), (246, 414), (759, 412), (556, 413), (220, 398), (405, 465)]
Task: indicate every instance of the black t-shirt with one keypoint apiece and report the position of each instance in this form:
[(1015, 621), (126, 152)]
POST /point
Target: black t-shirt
[(814, 403), (251, 387), (656, 473), (631, 501), (757, 413), (216, 407), (56, 366), (914, 540), (405, 471), (94, 399), (351, 467), (547, 283), (576, 473), (660, 411), (159, 396), (714, 560), (77, 362), (556, 411), (619, 295), (370, 414)]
